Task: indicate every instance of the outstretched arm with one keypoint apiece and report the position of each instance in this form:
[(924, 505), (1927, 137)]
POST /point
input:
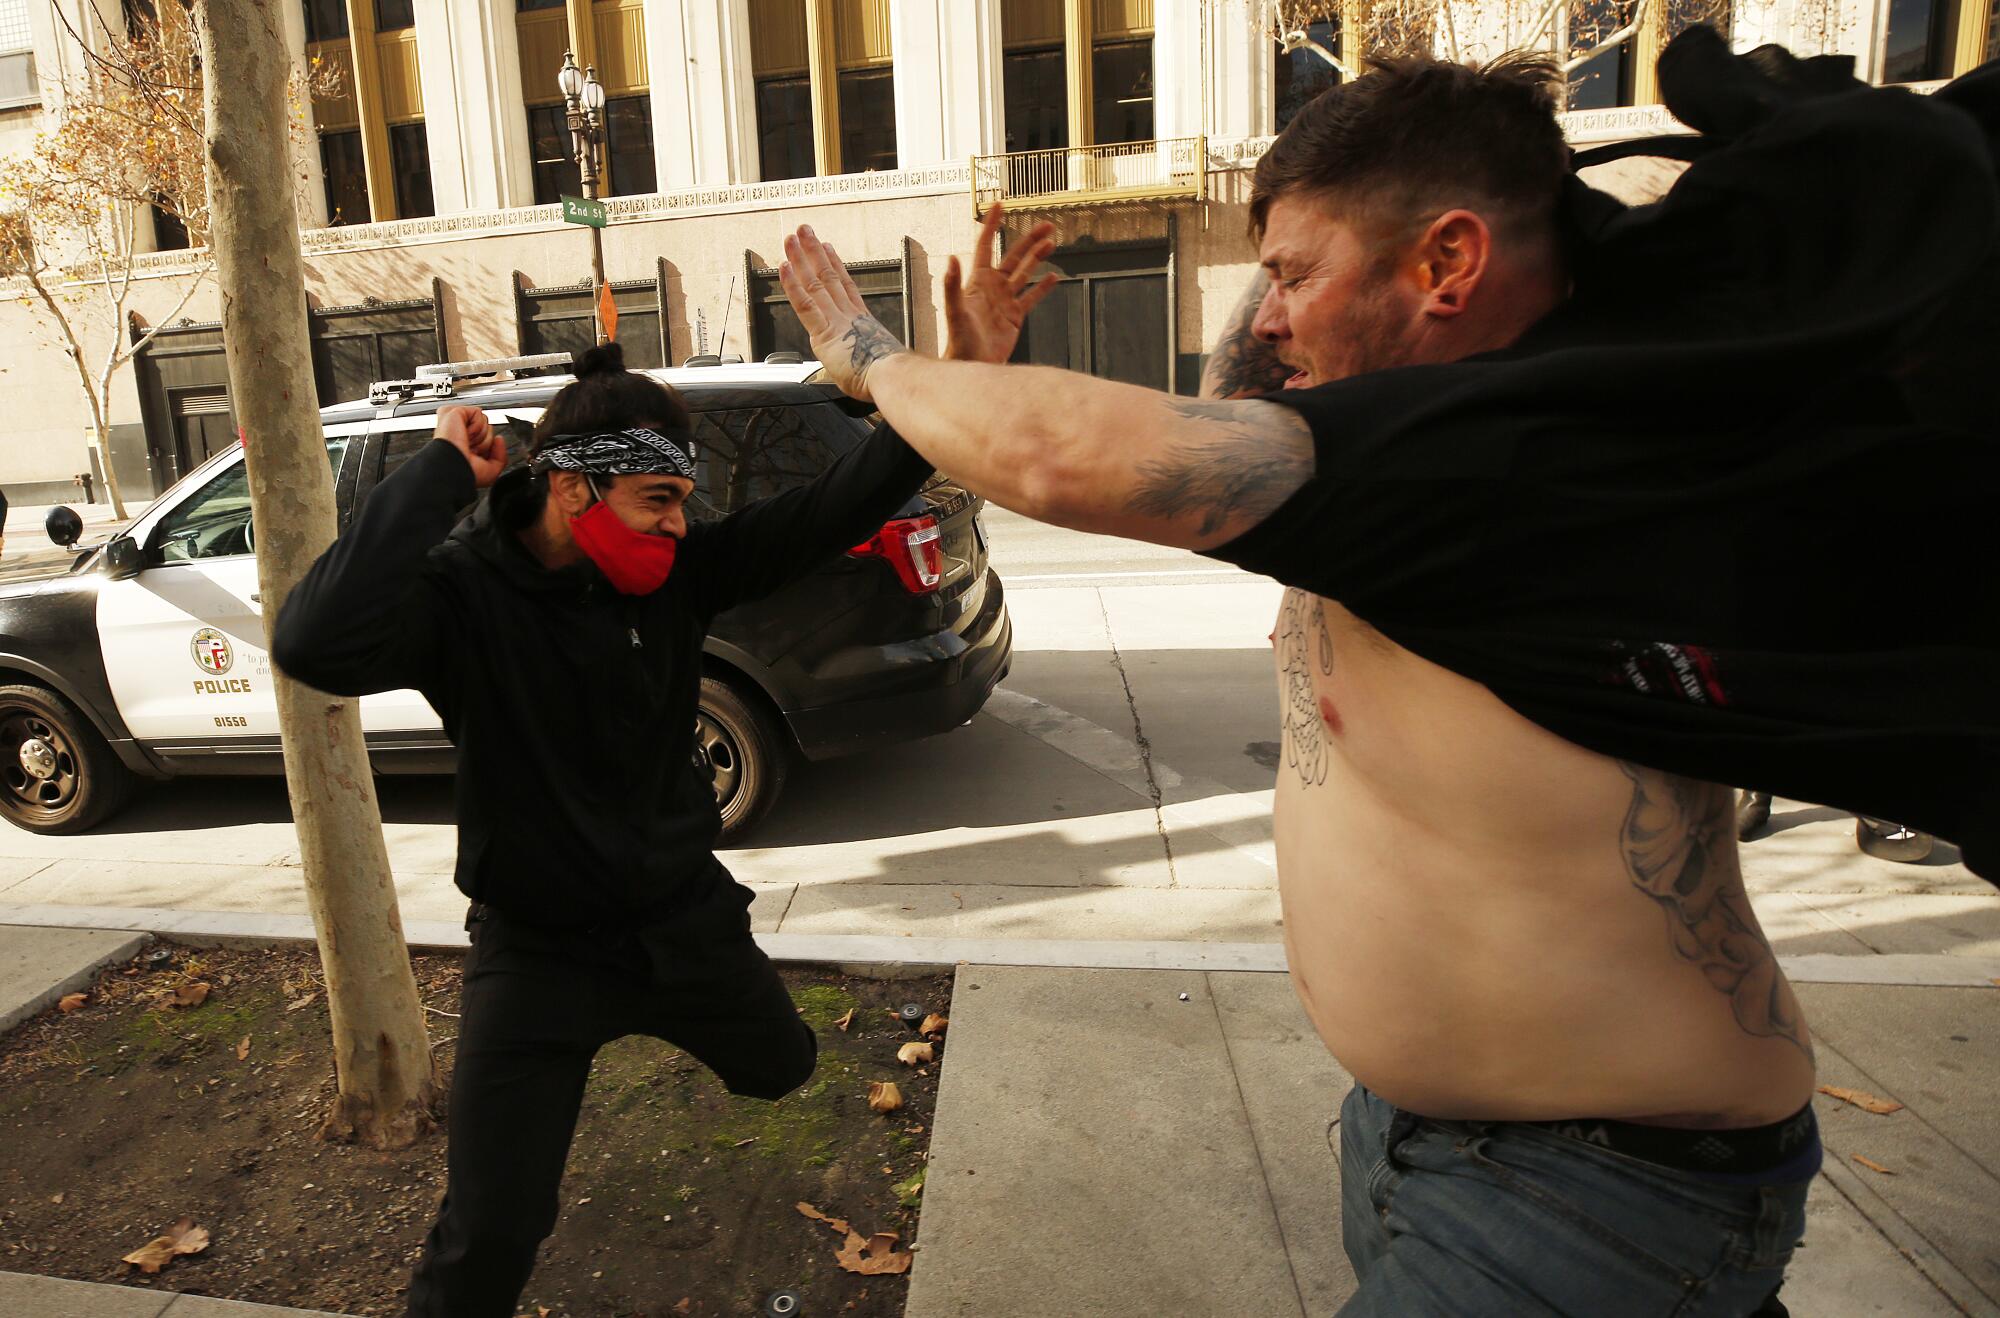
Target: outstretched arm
[(1056, 445), (1243, 365)]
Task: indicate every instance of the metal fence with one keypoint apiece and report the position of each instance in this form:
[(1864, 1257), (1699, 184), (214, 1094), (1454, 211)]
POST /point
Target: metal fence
[(1071, 176)]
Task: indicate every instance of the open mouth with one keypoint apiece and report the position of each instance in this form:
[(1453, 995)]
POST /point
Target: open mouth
[(1299, 379)]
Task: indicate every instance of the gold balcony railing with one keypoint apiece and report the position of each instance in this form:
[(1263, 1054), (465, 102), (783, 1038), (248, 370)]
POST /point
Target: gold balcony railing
[(1091, 175)]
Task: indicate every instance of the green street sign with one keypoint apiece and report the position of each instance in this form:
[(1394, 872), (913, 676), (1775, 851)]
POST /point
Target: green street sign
[(581, 210)]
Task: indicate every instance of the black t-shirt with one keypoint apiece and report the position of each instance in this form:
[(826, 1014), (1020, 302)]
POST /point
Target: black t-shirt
[(1726, 513)]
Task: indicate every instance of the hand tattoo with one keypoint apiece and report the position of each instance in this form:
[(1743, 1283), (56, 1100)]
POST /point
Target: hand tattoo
[(1243, 364), (869, 342), (1304, 644), (1675, 831), (1260, 454)]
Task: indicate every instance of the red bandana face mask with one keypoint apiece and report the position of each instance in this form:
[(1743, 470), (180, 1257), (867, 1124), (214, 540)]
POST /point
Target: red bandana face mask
[(635, 563)]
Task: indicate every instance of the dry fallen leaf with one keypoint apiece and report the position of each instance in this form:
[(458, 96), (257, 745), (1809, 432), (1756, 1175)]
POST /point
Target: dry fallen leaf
[(883, 1096), (1881, 1107), (839, 1224), (934, 1024), (297, 1003), (845, 1021), (915, 1054), (183, 1237), (686, 1305), (57, 1197), (191, 995), (873, 1257), (243, 1049), (72, 1001), (1873, 1165)]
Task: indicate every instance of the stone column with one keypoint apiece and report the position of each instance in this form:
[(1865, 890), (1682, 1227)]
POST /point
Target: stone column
[(947, 80), (469, 57), (1240, 75), (312, 214), (1177, 68), (703, 93)]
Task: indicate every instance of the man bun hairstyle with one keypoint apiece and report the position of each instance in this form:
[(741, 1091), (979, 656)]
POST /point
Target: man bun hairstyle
[(1415, 137), (606, 396)]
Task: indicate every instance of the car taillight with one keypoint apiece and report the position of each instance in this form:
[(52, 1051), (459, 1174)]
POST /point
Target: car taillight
[(912, 547)]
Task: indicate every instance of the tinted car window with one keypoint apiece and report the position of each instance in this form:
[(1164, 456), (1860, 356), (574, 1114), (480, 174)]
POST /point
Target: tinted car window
[(403, 445), (744, 454), (214, 522)]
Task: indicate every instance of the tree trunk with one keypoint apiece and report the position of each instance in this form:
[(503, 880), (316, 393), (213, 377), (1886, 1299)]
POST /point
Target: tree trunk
[(101, 441), (387, 1085)]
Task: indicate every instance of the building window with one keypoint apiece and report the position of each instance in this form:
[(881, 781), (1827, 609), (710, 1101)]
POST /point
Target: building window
[(784, 128), (556, 175), (169, 233), (410, 154), (774, 326), (1919, 45), (394, 15), (1121, 74), (867, 120), (628, 147), (346, 177), (1035, 87), (352, 347), (1108, 317), (1304, 73), (326, 20), (1605, 81), (530, 6), (18, 84), (560, 320)]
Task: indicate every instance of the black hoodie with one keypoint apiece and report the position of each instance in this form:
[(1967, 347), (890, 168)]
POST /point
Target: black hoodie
[(572, 706)]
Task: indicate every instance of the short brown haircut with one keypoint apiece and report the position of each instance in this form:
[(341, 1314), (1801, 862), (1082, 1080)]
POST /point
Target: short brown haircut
[(1413, 138)]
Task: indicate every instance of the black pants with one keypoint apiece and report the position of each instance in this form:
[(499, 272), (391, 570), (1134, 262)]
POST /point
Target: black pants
[(537, 1006)]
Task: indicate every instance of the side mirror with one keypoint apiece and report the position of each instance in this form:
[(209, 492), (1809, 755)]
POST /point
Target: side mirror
[(123, 558), (64, 526)]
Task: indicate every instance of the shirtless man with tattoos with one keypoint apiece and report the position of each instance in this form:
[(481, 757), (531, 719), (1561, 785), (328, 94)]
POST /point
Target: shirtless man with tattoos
[(1583, 1082)]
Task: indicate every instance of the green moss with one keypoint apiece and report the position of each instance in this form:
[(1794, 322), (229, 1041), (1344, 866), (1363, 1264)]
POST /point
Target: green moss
[(910, 1192), (820, 1005)]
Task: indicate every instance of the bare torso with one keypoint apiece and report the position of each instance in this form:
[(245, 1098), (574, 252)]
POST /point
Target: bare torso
[(1487, 922)]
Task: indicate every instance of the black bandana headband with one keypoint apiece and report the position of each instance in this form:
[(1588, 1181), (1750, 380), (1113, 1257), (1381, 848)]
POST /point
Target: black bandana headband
[(634, 452)]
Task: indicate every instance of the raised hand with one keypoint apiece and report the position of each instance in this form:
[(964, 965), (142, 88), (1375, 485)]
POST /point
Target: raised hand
[(467, 430), (845, 338), (983, 313)]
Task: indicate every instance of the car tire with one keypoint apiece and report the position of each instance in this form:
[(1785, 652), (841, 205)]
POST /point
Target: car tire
[(748, 751), (57, 775)]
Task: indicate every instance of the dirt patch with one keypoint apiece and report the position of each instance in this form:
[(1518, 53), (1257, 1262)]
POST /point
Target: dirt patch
[(128, 1113)]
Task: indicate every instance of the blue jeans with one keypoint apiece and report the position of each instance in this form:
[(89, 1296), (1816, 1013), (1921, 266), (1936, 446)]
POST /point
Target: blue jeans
[(1471, 1219)]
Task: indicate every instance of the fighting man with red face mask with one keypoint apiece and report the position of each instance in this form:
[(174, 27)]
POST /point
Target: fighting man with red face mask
[(558, 632)]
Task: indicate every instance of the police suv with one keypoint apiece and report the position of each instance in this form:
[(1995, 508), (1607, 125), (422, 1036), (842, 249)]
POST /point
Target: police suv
[(147, 658)]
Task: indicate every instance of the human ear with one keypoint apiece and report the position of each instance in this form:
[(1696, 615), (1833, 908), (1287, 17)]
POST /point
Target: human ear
[(1454, 254), (570, 491)]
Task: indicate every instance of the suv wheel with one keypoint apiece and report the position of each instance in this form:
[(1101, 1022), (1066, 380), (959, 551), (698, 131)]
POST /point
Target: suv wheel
[(746, 750), (56, 774)]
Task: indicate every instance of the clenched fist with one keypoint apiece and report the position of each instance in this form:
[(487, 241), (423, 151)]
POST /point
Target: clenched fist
[(467, 430)]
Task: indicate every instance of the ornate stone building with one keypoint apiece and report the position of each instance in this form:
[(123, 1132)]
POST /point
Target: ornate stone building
[(434, 230)]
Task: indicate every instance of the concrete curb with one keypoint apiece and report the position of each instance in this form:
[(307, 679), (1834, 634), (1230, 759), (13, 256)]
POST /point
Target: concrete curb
[(25, 1295), (226, 928), (74, 980)]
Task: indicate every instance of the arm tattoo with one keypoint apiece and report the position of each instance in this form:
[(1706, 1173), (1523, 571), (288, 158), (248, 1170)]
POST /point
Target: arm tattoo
[(1242, 364), (1675, 833), (1258, 456), (1304, 644), (868, 342)]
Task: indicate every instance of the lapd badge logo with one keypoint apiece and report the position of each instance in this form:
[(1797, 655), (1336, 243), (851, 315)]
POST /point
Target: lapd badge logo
[(211, 652)]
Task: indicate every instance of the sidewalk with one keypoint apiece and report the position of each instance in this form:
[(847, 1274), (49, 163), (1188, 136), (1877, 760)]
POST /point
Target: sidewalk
[(30, 553), (1103, 1148)]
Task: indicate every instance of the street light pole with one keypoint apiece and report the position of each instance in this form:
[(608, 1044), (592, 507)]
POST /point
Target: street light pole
[(583, 96)]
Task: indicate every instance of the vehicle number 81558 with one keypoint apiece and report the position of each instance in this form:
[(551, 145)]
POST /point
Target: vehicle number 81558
[(231, 721)]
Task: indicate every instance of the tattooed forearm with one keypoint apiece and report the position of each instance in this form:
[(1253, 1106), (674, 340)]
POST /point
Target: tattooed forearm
[(1676, 830), (1255, 457), (868, 342), (1242, 364), (1304, 644)]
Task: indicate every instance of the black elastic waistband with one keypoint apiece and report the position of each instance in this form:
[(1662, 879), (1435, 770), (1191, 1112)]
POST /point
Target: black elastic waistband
[(1758, 1151)]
